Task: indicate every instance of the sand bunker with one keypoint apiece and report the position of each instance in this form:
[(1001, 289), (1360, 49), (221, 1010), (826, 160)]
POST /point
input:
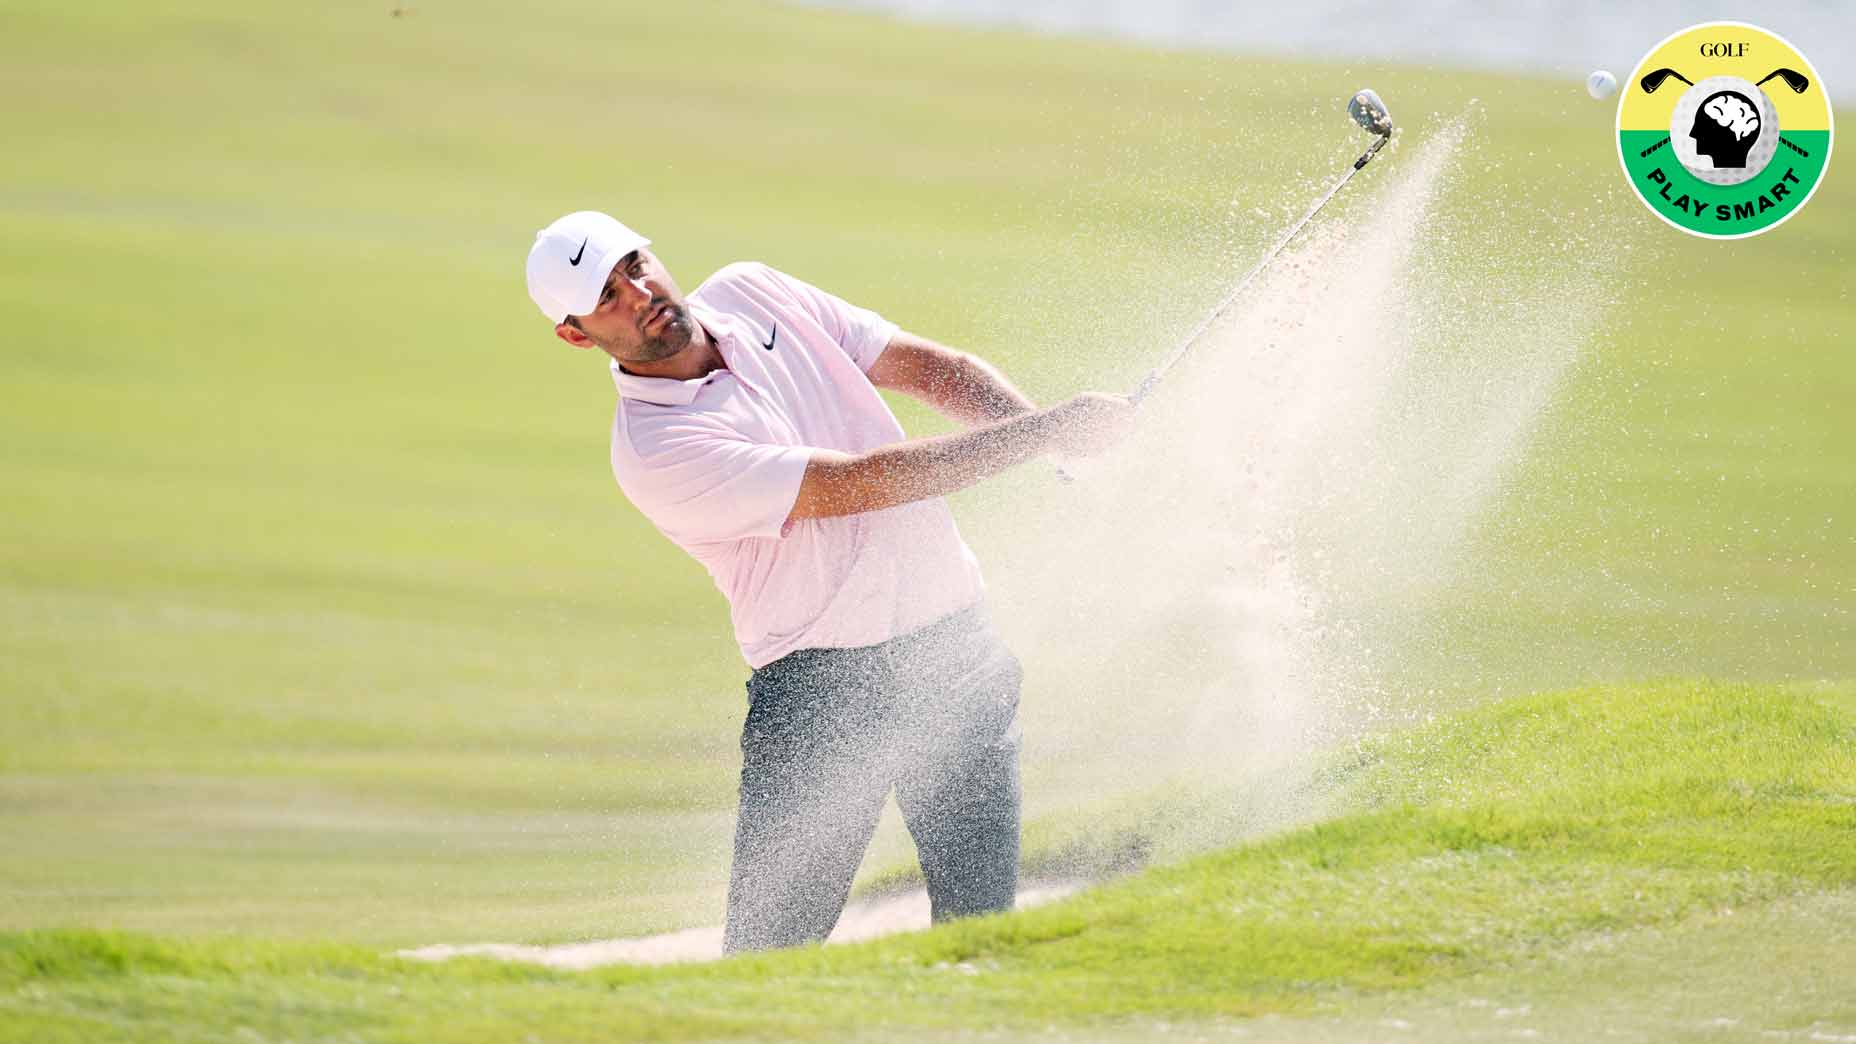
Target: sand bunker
[(890, 915)]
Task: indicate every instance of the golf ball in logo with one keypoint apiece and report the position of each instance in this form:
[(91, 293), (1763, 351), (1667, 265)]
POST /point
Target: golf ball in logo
[(1724, 130), (1601, 84)]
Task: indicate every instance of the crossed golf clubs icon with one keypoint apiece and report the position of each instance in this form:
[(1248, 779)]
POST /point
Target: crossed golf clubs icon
[(1794, 79)]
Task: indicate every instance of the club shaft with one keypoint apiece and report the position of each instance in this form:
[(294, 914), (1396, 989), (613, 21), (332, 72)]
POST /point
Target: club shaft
[(1147, 385)]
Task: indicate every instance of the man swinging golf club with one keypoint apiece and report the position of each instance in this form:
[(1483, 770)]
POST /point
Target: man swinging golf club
[(750, 431)]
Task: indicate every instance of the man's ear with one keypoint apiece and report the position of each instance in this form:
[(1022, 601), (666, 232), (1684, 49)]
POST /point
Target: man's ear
[(573, 335)]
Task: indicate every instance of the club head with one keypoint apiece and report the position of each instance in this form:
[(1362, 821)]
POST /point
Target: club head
[(1653, 80), (1370, 112), (1793, 79)]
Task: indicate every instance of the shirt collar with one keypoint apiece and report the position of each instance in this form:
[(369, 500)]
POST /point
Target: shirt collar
[(664, 391)]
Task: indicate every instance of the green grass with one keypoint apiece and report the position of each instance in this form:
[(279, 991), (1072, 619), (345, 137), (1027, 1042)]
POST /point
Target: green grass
[(321, 619), (1489, 842)]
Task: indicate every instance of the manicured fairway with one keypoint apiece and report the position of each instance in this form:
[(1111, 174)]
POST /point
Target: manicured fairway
[(321, 619)]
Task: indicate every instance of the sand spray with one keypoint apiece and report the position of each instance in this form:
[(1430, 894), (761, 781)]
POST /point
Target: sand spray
[(1224, 596)]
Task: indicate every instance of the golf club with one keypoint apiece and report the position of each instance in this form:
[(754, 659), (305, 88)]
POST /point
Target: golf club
[(1793, 79), (1654, 80), (1371, 114), (1369, 111)]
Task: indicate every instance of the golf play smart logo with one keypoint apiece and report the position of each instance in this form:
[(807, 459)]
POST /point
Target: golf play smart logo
[(1724, 130)]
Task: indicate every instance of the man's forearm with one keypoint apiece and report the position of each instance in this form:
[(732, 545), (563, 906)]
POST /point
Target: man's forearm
[(958, 385), (975, 392), (843, 484)]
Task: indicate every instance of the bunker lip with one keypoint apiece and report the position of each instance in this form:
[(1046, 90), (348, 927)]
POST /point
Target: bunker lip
[(874, 918)]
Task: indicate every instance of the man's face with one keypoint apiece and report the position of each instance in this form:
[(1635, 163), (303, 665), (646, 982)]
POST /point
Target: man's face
[(641, 317)]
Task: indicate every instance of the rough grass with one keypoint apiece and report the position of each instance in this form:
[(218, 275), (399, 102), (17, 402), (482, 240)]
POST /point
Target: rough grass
[(1478, 844)]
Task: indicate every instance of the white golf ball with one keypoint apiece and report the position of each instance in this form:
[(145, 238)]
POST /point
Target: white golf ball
[(1601, 84)]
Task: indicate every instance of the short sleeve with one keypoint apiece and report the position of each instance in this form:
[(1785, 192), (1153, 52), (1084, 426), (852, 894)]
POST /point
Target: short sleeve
[(699, 486), (862, 333)]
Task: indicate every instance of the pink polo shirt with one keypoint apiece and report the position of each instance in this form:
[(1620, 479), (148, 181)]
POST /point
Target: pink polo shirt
[(715, 464)]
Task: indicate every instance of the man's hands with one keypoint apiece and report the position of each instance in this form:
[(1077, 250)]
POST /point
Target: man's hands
[(1090, 423)]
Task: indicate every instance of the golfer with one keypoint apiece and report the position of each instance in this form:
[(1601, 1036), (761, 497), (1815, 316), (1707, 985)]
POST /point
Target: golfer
[(749, 430)]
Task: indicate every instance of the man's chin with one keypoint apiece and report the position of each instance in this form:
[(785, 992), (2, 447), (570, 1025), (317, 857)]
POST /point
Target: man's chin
[(674, 338)]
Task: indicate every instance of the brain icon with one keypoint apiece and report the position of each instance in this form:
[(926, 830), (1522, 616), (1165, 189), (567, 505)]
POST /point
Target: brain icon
[(1727, 123), (1733, 114)]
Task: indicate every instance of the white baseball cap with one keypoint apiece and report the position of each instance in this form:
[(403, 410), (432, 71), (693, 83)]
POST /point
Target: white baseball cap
[(569, 263)]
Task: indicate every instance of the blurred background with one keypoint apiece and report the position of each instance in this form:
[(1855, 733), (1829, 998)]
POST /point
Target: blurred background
[(1566, 40)]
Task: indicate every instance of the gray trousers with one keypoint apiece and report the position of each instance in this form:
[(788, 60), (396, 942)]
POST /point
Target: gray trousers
[(829, 732)]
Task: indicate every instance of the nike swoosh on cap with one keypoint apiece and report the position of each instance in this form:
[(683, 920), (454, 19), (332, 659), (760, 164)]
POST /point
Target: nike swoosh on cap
[(575, 260)]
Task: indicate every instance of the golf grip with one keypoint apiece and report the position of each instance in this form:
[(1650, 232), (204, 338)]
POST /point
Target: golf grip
[(1147, 385)]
